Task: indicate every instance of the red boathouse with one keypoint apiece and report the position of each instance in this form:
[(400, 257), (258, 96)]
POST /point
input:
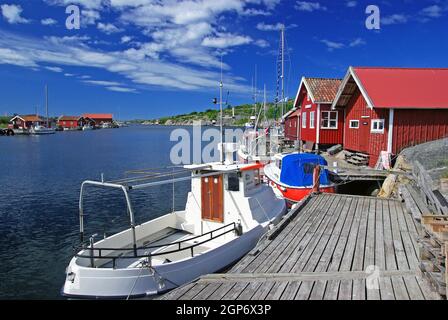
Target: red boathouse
[(99, 118), (318, 123), (389, 109)]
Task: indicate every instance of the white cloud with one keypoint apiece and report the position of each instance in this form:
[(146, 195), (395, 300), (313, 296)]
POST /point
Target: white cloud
[(309, 6), (29, 52), (54, 69), (394, 19), (121, 89), (69, 74), (434, 11), (332, 45), (269, 27), (89, 17), (351, 4), (108, 28), (262, 43), (102, 83), (126, 39), (48, 22), (12, 13), (226, 40), (357, 42)]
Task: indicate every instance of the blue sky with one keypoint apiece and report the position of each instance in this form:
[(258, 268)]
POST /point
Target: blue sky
[(151, 58)]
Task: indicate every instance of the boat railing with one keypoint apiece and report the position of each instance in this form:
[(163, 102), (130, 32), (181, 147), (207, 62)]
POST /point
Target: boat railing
[(91, 252)]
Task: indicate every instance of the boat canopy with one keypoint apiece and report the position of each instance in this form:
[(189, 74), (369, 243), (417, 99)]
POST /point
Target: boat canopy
[(297, 169)]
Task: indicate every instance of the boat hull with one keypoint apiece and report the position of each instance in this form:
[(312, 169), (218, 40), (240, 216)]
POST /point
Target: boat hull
[(295, 195), (106, 283)]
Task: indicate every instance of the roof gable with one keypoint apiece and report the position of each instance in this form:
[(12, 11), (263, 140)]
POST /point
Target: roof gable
[(399, 88), (320, 90)]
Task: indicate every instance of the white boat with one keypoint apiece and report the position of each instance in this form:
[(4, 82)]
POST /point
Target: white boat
[(87, 127), (38, 129), (227, 212), (106, 125), (41, 130)]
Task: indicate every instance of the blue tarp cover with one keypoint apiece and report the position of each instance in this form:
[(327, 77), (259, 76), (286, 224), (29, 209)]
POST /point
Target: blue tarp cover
[(297, 169)]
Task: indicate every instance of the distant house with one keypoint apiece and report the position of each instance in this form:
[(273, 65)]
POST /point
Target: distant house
[(25, 122), (99, 118), (389, 109), (291, 120), (70, 122), (318, 124)]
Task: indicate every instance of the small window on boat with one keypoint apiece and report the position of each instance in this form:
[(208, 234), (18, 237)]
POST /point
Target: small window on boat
[(233, 182), (308, 168), (257, 177), (278, 163)]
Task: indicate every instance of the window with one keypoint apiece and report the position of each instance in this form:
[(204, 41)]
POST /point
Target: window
[(308, 106), (233, 182), (312, 120), (354, 124), (377, 126), (329, 119), (304, 120)]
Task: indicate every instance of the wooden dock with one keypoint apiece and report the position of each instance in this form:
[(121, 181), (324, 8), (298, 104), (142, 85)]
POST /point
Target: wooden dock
[(332, 247)]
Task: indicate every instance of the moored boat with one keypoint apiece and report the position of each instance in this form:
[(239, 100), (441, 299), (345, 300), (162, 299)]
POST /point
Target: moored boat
[(41, 130), (294, 175), (227, 212)]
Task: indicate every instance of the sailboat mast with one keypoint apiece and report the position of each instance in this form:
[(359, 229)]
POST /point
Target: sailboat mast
[(46, 104), (283, 69), (221, 117)]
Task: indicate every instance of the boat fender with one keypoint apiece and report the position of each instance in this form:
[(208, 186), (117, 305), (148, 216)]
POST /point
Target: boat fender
[(239, 229)]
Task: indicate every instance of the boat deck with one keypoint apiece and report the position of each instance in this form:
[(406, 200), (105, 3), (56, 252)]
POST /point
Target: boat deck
[(330, 247), (165, 236)]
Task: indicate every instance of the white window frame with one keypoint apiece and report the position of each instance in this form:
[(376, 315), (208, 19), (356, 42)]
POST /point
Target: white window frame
[(308, 106), (352, 127), (312, 120), (304, 120), (329, 120), (372, 124)]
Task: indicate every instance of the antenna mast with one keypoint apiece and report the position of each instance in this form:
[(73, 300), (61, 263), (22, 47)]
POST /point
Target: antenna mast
[(46, 104), (221, 119), (283, 69)]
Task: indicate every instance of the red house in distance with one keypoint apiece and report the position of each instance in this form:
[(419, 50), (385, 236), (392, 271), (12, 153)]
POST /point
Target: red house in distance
[(292, 130), (70, 122), (99, 118), (319, 124), (389, 109)]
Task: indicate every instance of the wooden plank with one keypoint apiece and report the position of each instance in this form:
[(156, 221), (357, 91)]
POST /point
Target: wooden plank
[(275, 249), (355, 213), (250, 291), (318, 290), (236, 290), (299, 245), (221, 291), (193, 291), (320, 238), (291, 290), (277, 291), (207, 291), (178, 292), (358, 291), (400, 256)]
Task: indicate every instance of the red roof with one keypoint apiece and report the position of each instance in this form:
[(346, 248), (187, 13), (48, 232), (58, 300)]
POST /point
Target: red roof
[(323, 90), (29, 118), (69, 118), (98, 115), (404, 87)]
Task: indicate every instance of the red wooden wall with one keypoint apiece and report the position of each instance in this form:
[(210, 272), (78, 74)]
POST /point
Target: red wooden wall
[(362, 139), (292, 132), (413, 127), (332, 136)]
